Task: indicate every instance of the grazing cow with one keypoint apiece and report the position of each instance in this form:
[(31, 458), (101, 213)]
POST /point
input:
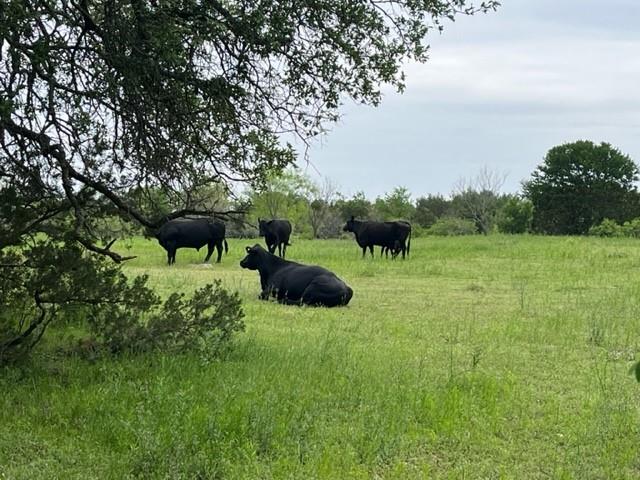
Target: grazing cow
[(394, 236), (294, 284), (276, 234), (192, 233)]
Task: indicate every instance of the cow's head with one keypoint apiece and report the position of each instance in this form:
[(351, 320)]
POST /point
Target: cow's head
[(263, 226), (255, 256), (151, 233), (349, 226)]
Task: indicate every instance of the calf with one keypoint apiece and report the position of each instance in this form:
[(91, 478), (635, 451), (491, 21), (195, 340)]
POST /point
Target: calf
[(192, 233), (294, 284), (276, 234)]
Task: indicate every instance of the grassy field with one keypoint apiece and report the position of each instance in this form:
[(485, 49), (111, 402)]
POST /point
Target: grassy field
[(480, 357)]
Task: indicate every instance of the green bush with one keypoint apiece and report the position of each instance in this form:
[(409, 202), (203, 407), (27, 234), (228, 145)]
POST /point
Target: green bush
[(418, 231), (52, 282), (607, 228), (204, 322), (452, 226), (515, 216), (631, 228)]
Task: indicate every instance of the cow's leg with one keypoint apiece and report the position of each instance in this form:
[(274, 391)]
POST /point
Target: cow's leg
[(371, 250), (219, 248), (268, 290), (171, 252), (210, 248), (284, 250), (271, 248), (364, 251)]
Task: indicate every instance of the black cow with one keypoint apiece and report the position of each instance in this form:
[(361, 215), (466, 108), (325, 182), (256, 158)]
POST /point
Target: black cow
[(294, 284), (276, 234), (192, 233), (394, 236)]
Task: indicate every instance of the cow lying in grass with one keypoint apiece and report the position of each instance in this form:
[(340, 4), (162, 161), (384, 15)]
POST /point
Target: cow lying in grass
[(295, 284)]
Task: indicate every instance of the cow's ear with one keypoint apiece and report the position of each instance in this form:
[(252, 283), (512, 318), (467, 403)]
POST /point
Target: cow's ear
[(248, 249)]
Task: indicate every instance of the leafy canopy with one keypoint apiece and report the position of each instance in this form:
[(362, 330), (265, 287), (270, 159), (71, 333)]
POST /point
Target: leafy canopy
[(579, 184), (107, 95), (395, 205)]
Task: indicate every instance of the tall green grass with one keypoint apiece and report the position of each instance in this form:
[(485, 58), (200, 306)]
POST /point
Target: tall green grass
[(479, 357)]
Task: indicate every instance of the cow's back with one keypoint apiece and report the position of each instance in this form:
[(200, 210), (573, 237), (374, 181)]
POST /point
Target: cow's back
[(300, 274), (281, 229), (311, 284), (375, 233), (190, 233)]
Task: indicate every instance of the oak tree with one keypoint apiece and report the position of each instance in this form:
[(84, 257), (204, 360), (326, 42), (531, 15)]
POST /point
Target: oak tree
[(102, 98), (579, 184)]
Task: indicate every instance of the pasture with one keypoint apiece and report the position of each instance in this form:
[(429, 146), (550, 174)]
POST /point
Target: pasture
[(479, 357)]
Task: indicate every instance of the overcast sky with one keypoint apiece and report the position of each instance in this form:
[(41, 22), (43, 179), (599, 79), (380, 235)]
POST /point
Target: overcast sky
[(499, 91)]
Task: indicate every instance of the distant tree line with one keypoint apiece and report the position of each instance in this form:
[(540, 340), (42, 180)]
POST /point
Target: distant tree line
[(320, 212), (577, 187)]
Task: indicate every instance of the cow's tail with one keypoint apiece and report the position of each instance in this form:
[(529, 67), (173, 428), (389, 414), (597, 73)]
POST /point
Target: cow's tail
[(226, 246), (409, 242)]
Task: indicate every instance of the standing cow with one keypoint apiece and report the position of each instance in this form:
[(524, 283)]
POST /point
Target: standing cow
[(276, 234), (292, 283), (394, 236), (192, 233)]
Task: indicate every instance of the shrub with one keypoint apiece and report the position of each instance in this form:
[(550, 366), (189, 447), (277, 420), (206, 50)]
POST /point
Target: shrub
[(515, 216), (607, 228), (51, 282), (204, 322), (631, 228), (418, 231), (450, 226)]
